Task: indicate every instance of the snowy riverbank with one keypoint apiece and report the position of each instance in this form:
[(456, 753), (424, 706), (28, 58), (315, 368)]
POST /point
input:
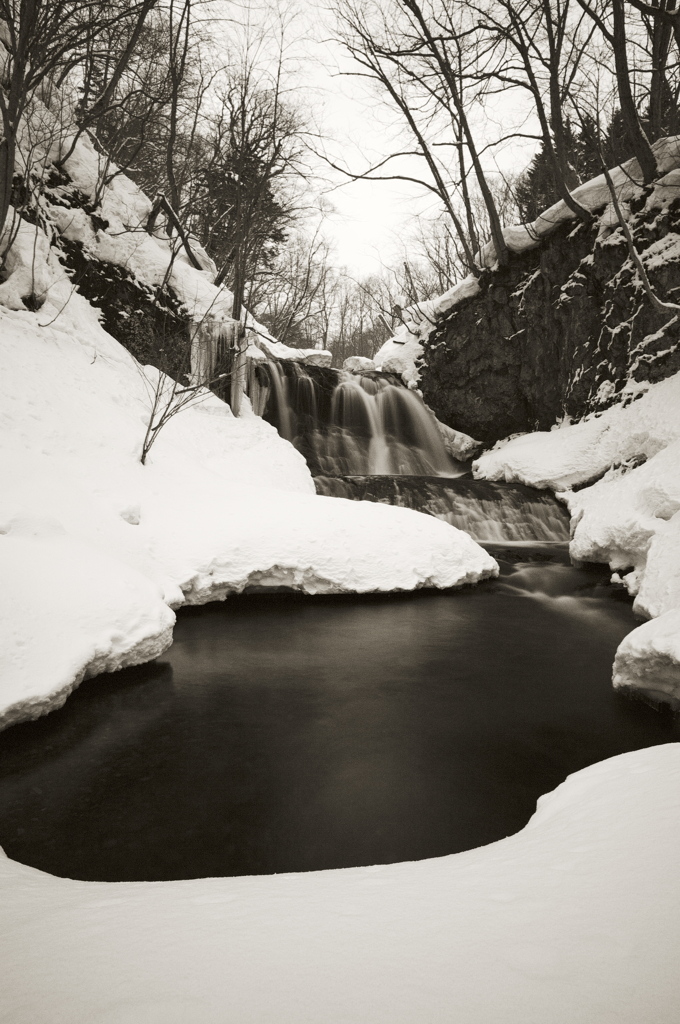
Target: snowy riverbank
[(629, 517), (572, 920)]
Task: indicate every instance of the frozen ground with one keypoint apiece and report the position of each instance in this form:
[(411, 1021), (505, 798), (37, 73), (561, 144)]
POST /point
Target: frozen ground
[(574, 920), (629, 517)]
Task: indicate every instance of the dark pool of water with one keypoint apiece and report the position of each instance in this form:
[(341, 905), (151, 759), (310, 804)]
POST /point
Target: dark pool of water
[(287, 734)]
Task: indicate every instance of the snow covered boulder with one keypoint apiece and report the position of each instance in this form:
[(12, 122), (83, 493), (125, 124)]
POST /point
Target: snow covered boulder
[(617, 519), (400, 354), (660, 584), (459, 445), (648, 659), (358, 364), (68, 611)]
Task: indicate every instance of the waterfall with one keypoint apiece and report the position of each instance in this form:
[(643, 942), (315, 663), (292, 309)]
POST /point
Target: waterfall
[(346, 424), (491, 513), (368, 438)]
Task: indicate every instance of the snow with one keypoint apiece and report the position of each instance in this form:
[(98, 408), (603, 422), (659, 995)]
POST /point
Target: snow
[(624, 513), (70, 612), (581, 452), (648, 659), (594, 195), (573, 920), (357, 364)]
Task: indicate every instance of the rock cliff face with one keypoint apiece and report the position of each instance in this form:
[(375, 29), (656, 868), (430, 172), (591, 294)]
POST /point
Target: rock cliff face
[(560, 331)]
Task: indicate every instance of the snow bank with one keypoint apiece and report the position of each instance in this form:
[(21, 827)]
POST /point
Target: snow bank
[(578, 453), (630, 517), (222, 504), (573, 920)]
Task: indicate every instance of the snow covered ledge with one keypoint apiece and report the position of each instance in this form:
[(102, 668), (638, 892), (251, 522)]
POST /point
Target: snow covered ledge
[(629, 516), (648, 659), (574, 920)]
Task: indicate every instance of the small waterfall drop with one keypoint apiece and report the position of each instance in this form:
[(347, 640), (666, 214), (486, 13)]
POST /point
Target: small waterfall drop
[(491, 513), (346, 424)]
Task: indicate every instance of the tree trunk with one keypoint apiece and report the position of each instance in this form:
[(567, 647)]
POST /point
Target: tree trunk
[(7, 157), (636, 135), (660, 98)]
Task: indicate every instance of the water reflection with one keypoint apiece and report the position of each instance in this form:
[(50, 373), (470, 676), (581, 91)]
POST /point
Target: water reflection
[(285, 733)]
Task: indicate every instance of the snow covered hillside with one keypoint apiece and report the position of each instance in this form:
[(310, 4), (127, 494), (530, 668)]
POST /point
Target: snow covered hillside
[(630, 517)]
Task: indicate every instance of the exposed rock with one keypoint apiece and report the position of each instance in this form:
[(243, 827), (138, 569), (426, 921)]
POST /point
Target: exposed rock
[(560, 330)]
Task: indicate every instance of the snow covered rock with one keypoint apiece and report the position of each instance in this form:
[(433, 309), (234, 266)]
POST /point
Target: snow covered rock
[(357, 364), (461, 446), (648, 659), (576, 454)]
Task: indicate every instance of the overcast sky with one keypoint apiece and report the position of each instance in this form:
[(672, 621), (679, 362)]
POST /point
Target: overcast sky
[(372, 221)]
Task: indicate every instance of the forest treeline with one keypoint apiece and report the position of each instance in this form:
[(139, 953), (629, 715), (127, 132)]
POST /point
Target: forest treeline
[(216, 134)]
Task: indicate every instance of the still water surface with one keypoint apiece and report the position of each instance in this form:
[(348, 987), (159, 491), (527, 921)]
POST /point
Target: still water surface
[(283, 733)]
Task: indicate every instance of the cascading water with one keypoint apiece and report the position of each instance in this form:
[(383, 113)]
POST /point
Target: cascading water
[(346, 424), (491, 513), (368, 438)]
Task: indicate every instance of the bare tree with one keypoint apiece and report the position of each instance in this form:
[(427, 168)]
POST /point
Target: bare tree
[(291, 296), (610, 19), (538, 32), (427, 67), (167, 397)]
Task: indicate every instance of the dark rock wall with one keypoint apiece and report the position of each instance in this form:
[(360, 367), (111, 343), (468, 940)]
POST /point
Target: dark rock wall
[(559, 331), (149, 323)]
